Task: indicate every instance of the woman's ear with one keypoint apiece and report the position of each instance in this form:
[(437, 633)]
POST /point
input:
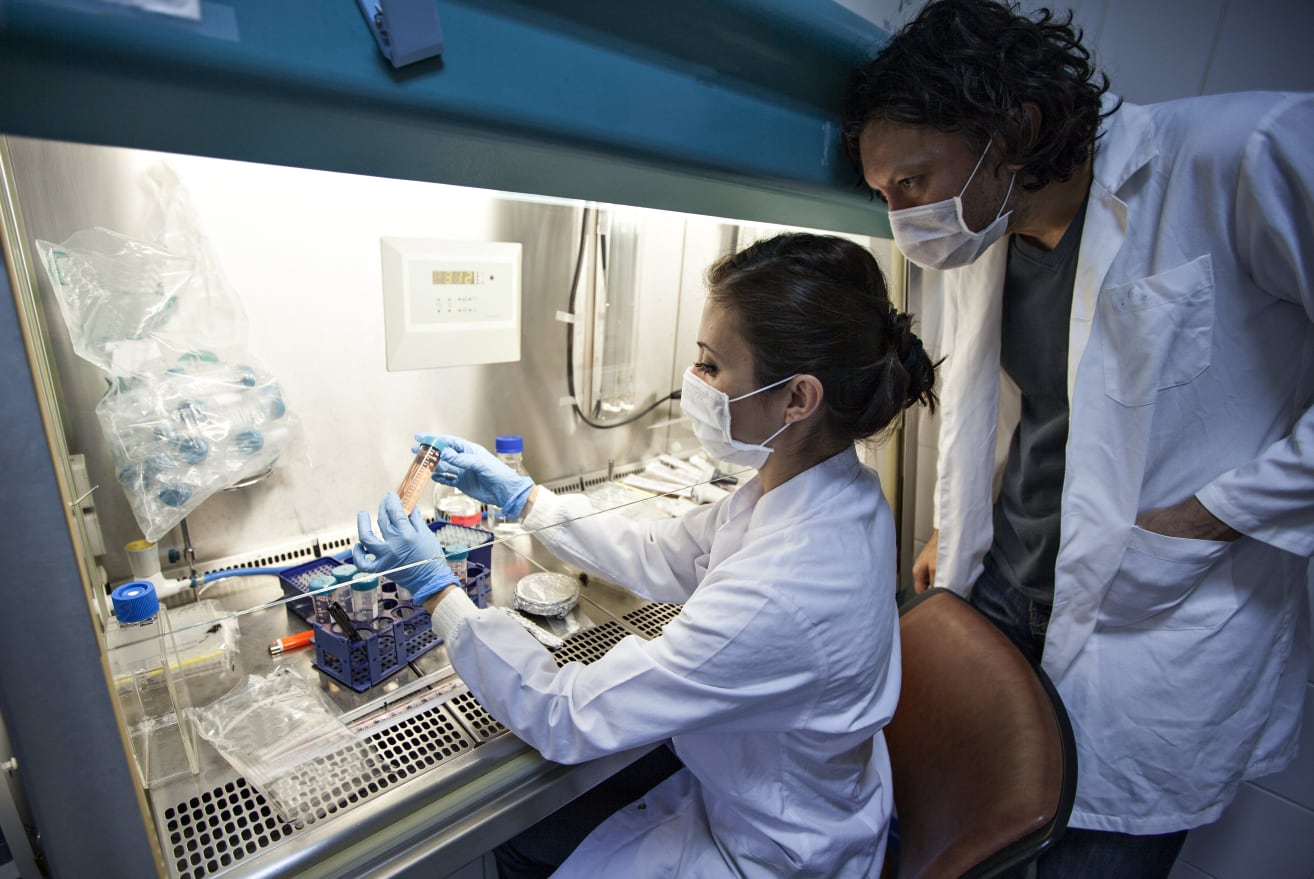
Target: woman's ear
[(805, 396)]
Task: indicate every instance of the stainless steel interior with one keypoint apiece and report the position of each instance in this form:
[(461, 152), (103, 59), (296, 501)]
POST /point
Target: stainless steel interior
[(431, 736)]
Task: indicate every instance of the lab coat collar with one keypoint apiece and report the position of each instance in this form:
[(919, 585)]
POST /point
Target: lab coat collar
[(806, 492), (1125, 147)]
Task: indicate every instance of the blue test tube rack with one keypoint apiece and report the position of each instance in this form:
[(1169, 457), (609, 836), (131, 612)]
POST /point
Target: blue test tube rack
[(401, 632)]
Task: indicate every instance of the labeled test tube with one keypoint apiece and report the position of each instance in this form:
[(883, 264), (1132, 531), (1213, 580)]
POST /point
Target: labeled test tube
[(364, 599), (458, 559), (343, 575), (322, 592), (418, 477)]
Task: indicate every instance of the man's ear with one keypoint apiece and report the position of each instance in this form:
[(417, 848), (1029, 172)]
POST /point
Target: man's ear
[(1027, 119)]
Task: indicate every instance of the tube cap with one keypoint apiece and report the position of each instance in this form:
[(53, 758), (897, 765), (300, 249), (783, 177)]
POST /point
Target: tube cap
[(343, 573), (457, 552), (319, 581), (509, 444), (364, 584), (135, 602)]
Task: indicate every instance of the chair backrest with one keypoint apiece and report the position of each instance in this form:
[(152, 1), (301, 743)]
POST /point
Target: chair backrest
[(981, 749)]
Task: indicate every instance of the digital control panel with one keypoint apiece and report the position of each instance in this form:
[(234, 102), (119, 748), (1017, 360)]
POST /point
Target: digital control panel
[(450, 303)]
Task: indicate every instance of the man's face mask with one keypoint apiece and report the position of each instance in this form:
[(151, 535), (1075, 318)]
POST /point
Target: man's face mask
[(709, 411), (935, 236)]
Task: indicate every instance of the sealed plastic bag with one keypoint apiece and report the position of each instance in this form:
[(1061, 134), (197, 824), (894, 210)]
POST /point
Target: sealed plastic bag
[(178, 432), (189, 412), (286, 739)]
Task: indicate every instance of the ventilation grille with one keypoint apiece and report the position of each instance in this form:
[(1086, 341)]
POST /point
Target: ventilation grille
[(586, 481), (619, 473), (334, 545), (590, 644), (477, 720), (652, 618), (207, 834)]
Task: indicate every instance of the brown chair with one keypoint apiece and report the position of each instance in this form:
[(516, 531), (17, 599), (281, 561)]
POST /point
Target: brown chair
[(985, 768)]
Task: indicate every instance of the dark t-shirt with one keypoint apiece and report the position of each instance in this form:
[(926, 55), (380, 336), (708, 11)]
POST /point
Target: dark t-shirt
[(1034, 353)]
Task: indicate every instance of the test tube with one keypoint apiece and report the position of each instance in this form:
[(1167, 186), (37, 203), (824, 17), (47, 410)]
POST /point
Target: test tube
[(321, 597), (419, 476), (343, 574), (458, 559), (364, 599)]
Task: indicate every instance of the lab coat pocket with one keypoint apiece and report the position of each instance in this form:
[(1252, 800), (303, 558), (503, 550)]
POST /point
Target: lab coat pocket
[(1158, 331), (1165, 583)]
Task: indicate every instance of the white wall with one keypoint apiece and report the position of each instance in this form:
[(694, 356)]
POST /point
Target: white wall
[(1155, 51)]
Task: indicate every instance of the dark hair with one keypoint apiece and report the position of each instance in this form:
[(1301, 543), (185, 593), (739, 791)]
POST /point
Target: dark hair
[(818, 305), (968, 66)]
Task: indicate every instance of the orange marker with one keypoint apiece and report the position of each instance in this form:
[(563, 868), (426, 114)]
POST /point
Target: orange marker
[(291, 642)]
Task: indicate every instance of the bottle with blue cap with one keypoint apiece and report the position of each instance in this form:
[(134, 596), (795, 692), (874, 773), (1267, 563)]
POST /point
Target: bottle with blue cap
[(145, 663), (510, 449)]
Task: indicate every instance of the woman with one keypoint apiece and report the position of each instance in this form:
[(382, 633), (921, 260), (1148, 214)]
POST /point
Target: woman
[(774, 682)]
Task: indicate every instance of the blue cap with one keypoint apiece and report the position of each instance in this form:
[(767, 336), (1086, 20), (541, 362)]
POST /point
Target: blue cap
[(135, 602), (249, 441), (457, 552), (364, 584), (509, 444), (175, 495), (193, 449), (320, 581), (343, 573)]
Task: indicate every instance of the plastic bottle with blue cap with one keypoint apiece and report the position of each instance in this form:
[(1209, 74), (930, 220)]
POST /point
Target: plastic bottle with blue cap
[(144, 662), (510, 449)]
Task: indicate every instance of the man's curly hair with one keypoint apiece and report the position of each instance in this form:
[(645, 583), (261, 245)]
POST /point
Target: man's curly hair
[(968, 66)]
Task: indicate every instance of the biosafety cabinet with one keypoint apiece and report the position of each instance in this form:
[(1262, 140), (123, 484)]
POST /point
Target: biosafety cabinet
[(508, 237)]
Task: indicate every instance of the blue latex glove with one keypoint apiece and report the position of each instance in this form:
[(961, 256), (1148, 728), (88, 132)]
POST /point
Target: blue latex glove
[(478, 473), (405, 542)]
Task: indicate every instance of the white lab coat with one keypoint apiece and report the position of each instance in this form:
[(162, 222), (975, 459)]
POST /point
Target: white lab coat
[(774, 681), (1190, 371)]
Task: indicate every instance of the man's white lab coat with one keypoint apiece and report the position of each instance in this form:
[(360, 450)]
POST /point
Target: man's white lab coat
[(774, 681), (1190, 372)]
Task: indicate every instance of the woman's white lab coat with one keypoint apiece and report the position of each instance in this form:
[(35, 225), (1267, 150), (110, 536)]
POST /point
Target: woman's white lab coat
[(774, 681), (1190, 372)]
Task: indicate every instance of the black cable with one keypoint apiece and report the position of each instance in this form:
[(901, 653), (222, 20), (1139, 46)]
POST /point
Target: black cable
[(570, 343)]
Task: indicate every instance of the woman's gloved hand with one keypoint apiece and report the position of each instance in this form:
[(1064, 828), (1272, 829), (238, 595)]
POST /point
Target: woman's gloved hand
[(409, 553), (478, 473)]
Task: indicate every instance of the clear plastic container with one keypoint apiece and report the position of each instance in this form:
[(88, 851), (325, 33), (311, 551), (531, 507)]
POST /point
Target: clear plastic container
[(364, 599), (420, 474), (157, 663), (510, 450), (344, 574), (321, 596), (458, 559)]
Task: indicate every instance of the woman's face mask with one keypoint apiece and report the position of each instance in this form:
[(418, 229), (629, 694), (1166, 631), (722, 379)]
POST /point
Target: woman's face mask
[(935, 236), (709, 411)]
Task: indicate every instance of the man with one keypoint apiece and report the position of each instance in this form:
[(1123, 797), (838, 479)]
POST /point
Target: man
[(1143, 277)]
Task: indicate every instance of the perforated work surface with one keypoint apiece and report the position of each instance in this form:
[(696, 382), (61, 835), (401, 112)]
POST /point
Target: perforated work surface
[(652, 618), (476, 719), (207, 834), (590, 644), (210, 833)]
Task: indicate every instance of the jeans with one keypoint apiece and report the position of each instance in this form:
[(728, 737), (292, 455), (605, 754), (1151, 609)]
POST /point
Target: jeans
[(1079, 853), (536, 852), (1022, 619)]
